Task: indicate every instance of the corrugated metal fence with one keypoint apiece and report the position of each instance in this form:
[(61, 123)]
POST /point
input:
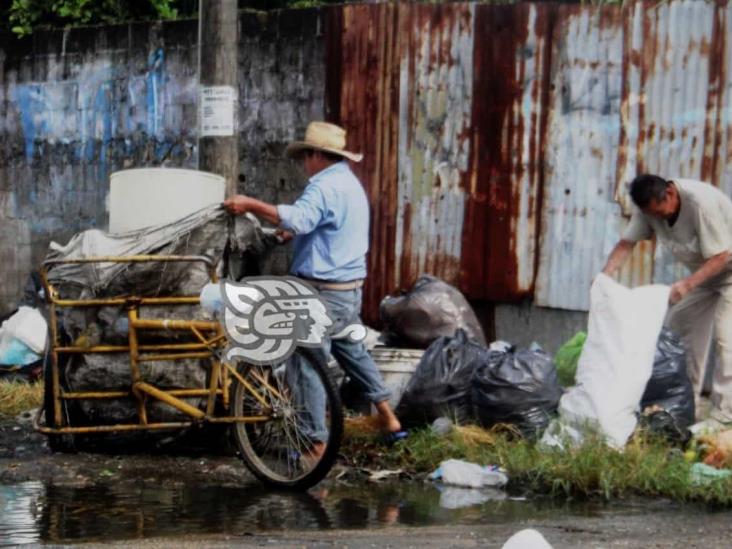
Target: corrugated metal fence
[(499, 139)]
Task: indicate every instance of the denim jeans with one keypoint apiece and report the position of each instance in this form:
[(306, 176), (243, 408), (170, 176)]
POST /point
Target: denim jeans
[(344, 309)]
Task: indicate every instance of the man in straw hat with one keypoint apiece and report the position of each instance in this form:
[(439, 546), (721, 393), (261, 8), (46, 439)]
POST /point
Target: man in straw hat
[(330, 224)]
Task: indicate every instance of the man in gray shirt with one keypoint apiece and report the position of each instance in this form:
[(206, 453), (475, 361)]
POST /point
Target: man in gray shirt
[(694, 220)]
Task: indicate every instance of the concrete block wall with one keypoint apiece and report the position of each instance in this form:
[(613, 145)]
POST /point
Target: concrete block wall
[(77, 105), (281, 89)]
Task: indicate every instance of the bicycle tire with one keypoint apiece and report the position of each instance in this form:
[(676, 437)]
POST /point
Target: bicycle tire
[(275, 451)]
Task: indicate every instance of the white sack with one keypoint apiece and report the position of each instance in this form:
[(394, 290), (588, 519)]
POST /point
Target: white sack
[(28, 326), (615, 364)]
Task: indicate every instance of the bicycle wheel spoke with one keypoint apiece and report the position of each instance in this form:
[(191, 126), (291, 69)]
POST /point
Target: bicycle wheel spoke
[(280, 451)]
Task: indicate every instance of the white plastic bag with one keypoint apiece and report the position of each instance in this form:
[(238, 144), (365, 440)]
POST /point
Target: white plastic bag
[(472, 475), (527, 539), (615, 364), (23, 337)]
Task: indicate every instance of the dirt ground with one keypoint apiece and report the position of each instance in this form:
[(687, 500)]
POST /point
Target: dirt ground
[(25, 456)]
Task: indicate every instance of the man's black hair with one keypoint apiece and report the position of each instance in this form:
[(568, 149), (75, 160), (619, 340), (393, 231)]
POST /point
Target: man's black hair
[(647, 187)]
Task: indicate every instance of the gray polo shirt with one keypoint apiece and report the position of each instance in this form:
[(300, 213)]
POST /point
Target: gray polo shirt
[(702, 230)]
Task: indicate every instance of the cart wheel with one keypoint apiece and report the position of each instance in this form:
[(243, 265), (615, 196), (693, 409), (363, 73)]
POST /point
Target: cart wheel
[(57, 443), (279, 451)]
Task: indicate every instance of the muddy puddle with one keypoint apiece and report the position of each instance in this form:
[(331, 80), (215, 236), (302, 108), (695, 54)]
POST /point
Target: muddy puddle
[(34, 512)]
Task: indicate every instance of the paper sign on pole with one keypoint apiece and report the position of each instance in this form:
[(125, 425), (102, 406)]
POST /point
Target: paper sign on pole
[(216, 111)]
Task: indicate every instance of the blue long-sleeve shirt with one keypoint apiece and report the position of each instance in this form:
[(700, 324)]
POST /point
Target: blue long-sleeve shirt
[(330, 221)]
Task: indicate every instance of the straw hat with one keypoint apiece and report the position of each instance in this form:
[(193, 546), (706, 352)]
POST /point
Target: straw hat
[(322, 136)]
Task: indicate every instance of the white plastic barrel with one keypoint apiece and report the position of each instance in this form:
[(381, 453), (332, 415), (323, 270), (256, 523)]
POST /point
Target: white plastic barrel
[(397, 366), (145, 197)]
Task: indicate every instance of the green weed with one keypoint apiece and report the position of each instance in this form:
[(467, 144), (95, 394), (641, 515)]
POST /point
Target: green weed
[(647, 466)]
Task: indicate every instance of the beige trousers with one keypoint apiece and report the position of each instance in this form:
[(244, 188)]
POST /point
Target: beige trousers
[(703, 316)]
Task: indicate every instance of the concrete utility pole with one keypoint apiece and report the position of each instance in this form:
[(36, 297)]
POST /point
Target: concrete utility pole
[(218, 42)]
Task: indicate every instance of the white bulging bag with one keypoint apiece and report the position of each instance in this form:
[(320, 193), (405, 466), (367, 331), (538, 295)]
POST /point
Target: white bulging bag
[(615, 364)]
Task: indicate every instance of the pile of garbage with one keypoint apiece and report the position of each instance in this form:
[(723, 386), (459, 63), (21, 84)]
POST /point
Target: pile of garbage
[(626, 365)]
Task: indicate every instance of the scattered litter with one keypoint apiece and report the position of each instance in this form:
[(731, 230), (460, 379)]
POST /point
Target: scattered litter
[(376, 476), (719, 449), (527, 539), (702, 474), (455, 497), (615, 364), (567, 357), (658, 421), (442, 426), (472, 475), (516, 387), (429, 310)]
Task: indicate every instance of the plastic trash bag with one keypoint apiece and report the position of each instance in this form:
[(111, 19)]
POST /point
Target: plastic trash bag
[(23, 337), (615, 364), (471, 475), (567, 357), (660, 422), (440, 385), (518, 387), (527, 539), (702, 474), (669, 386), (430, 309)]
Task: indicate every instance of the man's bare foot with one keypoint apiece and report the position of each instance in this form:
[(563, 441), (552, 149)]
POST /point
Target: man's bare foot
[(317, 450), (389, 421), (311, 457)]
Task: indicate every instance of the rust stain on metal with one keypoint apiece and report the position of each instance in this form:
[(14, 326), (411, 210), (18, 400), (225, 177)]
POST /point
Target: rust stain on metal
[(715, 51), (455, 108), (435, 98), (508, 132)]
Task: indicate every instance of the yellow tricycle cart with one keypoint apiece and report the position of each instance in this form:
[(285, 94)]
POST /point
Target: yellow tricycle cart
[(267, 419)]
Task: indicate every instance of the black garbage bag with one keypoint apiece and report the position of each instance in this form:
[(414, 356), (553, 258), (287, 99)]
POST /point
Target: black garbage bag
[(440, 385), (430, 309), (663, 424), (518, 387), (669, 386)]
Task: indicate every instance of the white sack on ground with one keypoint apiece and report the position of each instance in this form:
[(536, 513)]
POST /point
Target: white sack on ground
[(615, 364)]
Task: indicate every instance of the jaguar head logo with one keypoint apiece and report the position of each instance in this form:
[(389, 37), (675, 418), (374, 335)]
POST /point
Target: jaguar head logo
[(267, 318)]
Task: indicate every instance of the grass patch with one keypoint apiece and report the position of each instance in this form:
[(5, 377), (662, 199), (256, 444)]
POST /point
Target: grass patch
[(648, 467), (17, 397)]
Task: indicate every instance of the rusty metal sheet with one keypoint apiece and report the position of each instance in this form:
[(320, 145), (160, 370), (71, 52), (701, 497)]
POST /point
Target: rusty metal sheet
[(581, 220), (512, 63), (361, 94), (435, 99), (499, 139), (722, 62)]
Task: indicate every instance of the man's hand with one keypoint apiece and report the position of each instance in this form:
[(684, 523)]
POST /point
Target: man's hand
[(618, 256), (283, 235), (679, 290), (238, 204)]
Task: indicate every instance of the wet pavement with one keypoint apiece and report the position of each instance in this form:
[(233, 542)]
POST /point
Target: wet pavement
[(177, 495), (397, 513)]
